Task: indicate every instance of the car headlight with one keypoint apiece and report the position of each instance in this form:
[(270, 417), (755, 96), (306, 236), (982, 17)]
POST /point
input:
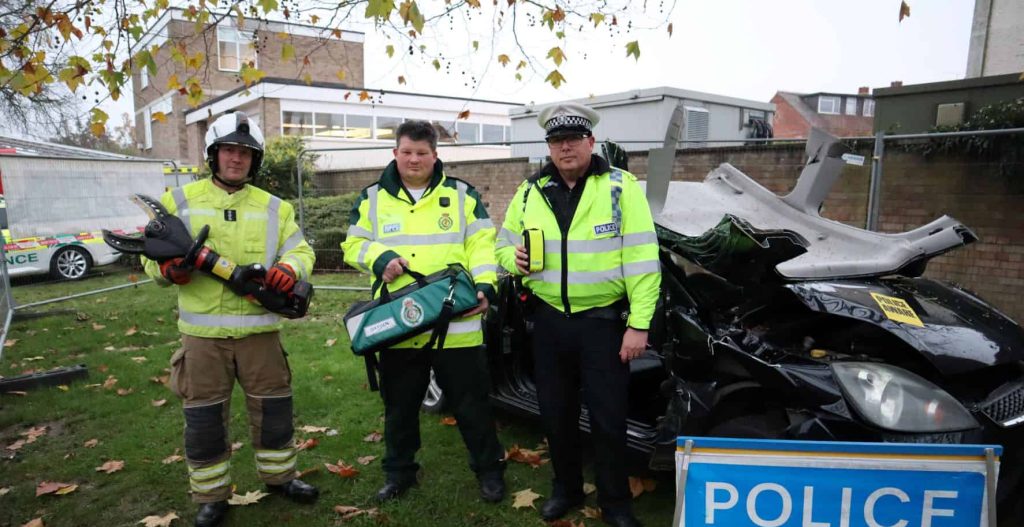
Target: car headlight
[(896, 399)]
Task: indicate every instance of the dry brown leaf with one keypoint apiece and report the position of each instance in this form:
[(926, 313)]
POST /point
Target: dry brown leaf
[(97, 327), (374, 437), (19, 393), (15, 445), (236, 446), (125, 391), (529, 457), (449, 420), (592, 513), (342, 469), (589, 488), (4, 490), (524, 498), (348, 512), (163, 379), (307, 444), (38, 522), (91, 443), (366, 460), (310, 429), (159, 402), (114, 465), (33, 433), (54, 487), (10, 343), (330, 342), (464, 114), (139, 360), (63, 387), (110, 382), (638, 486), (249, 498), (131, 331), (904, 10), (173, 458), (159, 521)]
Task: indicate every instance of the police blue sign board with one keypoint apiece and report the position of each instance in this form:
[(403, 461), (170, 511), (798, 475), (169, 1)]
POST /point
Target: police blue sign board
[(768, 483)]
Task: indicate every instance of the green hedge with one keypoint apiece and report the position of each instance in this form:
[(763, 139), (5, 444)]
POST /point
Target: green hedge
[(326, 220)]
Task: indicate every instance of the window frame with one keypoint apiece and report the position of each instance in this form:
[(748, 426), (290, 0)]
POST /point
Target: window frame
[(239, 38), (869, 108), (846, 106), (837, 104)]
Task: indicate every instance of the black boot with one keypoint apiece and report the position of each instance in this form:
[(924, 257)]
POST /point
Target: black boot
[(621, 520), (557, 507), (492, 487), (392, 489), (211, 514), (297, 491)]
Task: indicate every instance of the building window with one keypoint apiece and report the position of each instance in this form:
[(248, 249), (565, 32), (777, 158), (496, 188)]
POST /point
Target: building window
[(387, 127), (147, 128), (444, 133), (144, 78), (851, 106), (869, 107), (297, 123), (234, 48), (329, 125), (828, 104), (163, 106), (468, 132), (493, 133), (358, 127)]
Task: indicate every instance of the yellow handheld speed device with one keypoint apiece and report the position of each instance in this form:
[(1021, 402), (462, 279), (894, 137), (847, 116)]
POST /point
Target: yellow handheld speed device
[(533, 241)]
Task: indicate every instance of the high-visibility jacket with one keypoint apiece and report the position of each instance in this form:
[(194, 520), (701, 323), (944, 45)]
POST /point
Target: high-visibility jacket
[(247, 226), (448, 224), (610, 252)]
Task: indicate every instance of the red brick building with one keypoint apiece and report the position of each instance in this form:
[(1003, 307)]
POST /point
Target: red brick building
[(840, 114)]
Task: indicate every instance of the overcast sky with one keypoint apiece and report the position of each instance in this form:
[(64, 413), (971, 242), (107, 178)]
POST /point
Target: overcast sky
[(740, 48)]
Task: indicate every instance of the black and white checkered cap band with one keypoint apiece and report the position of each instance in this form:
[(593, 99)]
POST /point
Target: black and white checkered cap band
[(567, 121)]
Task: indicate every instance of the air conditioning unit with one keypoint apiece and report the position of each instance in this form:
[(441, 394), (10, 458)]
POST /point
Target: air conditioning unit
[(949, 114)]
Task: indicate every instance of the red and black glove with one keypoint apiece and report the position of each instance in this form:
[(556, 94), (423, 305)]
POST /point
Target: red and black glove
[(174, 271), (280, 277)]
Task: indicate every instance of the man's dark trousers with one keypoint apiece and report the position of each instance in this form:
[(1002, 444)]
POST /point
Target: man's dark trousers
[(570, 352), (463, 377)]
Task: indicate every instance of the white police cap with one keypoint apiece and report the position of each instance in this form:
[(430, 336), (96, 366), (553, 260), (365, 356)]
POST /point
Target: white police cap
[(567, 119)]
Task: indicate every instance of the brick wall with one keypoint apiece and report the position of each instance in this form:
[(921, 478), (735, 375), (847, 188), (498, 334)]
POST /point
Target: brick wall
[(984, 195)]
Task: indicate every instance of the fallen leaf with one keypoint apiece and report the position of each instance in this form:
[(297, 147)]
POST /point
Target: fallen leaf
[(374, 437), (38, 522), (159, 402), (308, 471), (449, 421), (366, 460), (524, 498), (139, 360), (91, 443), (248, 499), (173, 458), (33, 359), (114, 465), (66, 490), (10, 342), (17, 392), (98, 327), (34, 433), (349, 512), (131, 331), (331, 433), (125, 391), (163, 379), (110, 382), (638, 486), (592, 513), (64, 388), (342, 469), (309, 429), (330, 342), (15, 445), (328, 377), (236, 446), (589, 488), (159, 521), (307, 444), (4, 490), (51, 487), (526, 456)]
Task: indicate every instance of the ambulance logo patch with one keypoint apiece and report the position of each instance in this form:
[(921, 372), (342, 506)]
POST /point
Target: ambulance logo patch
[(445, 223), (412, 313), (604, 229)]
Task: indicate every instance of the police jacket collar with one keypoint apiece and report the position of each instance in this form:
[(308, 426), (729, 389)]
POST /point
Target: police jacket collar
[(391, 181), (598, 166)]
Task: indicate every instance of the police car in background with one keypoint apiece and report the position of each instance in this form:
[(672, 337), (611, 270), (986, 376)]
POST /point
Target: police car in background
[(65, 256)]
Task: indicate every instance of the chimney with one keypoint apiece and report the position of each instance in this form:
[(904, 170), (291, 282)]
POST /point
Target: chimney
[(863, 90), (896, 84)]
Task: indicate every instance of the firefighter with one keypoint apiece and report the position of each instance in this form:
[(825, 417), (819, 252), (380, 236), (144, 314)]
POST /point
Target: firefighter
[(591, 303), (417, 217), (226, 337)]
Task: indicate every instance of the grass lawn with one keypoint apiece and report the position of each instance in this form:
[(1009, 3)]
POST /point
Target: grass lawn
[(129, 335)]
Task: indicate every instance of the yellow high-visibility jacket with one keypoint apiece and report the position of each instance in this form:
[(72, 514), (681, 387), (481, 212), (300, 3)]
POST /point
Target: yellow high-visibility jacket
[(448, 224), (248, 226), (610, 252)]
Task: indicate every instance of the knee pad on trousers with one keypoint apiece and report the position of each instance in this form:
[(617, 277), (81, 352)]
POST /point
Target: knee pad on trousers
[(277, 428), (205, 433)]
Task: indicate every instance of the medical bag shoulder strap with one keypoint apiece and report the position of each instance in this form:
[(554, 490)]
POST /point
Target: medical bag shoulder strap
[(444, 318), (370, 359)]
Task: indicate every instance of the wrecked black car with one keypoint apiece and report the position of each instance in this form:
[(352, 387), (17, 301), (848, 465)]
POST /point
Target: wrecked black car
[(774, 322)]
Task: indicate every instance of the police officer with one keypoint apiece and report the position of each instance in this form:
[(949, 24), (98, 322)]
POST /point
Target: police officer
[(600, 259), (417, 217), (226, 337)]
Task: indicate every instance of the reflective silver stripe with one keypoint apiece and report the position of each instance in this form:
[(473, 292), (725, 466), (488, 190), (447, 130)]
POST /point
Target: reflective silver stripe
[(355, 231), (507, 238), (464, 326), (201, 212), (181, 203), (272, 455), (215, 484), (275, 468), (639, 238), (554, 276), (361, 259), (583, 246), (371, 196), (477, 225), (462, 207), (229, 321), (254, 215), (298, 265), (644, 267), (273, 232), (205, 473), (421, 239), (292, 242), (481, 269)]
